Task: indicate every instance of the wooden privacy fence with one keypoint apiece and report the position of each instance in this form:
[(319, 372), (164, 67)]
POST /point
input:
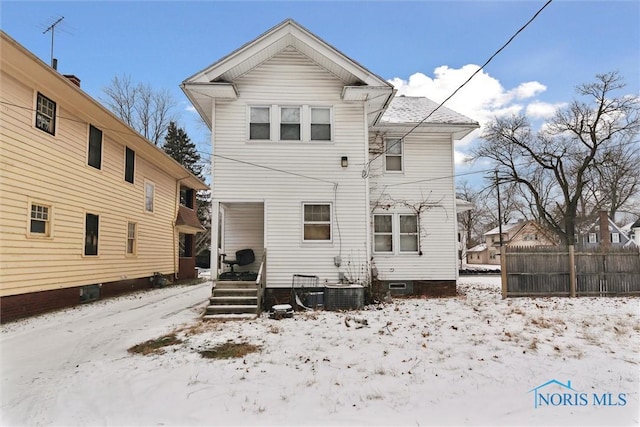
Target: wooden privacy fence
[(563, 271)]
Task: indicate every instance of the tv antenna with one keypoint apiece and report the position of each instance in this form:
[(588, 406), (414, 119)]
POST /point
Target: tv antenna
[(52, 28)]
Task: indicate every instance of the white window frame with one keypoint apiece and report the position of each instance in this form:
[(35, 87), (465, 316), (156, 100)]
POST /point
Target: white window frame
[(396, 234), (299, 122), (249, 122), (275, 123), (133, 239), (147, 185), (416, 234), (383, 233), (304, 222), (387, 154), (330, 123), (615, 237), (593, 238), (48, 226)]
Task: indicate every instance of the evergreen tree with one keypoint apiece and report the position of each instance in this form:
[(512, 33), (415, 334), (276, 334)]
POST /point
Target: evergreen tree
[(178, 145)]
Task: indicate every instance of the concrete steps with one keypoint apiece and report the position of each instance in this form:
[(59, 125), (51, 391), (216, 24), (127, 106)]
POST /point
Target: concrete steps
[(232, 297)]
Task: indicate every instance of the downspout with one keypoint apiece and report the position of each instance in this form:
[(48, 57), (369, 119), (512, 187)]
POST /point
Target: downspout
[(455, 210), (367, 195), (215, 205)]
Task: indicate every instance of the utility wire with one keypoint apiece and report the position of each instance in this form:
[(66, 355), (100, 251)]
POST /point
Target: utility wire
[(365, 172)]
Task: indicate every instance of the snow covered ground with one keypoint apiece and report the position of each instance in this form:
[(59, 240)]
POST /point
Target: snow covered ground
[(471, 360)]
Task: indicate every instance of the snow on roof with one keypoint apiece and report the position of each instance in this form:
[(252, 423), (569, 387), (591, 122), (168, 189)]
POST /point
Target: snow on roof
[(410, 109), (505, 228), (478, 248)]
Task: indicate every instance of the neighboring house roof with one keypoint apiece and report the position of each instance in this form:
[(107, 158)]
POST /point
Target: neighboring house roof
[(478, 248), (217, 80), (463, 205), (505, 228)]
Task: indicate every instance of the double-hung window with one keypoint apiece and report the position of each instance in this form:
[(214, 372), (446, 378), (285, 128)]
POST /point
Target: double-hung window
[(132, 235), (316, 222), (91, 226), (408, 233), (149, 196), (383, 233), (129, 165), (320, 124), (290, 123), (395, 233), (45, 114), (94, 157), (393, 155), (40, 220), (260, 123)]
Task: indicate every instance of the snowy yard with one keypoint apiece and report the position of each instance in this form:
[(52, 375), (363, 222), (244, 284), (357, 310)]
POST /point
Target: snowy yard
[(470, 360)]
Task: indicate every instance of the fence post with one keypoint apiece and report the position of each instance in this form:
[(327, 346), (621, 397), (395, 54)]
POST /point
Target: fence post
[(503, 271), (572, 271)]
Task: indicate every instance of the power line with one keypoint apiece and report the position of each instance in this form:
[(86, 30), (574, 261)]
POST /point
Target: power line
[(366, 170)]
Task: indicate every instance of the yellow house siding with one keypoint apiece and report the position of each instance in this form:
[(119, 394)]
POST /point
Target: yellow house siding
[(52, 170)]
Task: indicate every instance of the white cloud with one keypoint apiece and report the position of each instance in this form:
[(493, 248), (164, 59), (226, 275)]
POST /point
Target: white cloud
[(482, 98), (542, 110)]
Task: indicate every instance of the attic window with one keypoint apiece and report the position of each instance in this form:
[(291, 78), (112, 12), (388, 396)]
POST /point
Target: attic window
[(320, 124), (290, 123)]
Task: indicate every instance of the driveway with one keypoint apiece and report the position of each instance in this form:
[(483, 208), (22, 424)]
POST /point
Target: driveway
[(41, 353)]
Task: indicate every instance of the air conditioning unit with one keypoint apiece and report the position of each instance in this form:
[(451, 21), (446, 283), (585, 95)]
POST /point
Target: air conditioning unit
[(343, 297)]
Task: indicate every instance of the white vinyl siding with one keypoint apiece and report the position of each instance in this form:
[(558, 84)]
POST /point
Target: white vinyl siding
[(425, 158), (291, 79)]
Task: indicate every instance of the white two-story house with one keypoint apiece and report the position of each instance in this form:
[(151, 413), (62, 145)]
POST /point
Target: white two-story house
[(321, 170)]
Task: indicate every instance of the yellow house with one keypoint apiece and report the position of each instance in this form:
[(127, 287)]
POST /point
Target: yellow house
[(89, 208)]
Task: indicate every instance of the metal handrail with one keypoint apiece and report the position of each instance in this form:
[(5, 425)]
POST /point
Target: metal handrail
[(261, 279)]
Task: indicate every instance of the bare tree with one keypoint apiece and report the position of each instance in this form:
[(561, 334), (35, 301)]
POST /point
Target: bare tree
[(146, 110), (555, 165)]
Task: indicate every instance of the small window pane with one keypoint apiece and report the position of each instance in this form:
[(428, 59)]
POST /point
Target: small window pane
[(317, 213), (408, 224), (320, 115), (394, 146), (259, 131), (290, 132), (394, 163), (409, 243), (290, 115), (320, 132), (38, 226), (382, 223), (317, 232), (260, 115), (383, 243)]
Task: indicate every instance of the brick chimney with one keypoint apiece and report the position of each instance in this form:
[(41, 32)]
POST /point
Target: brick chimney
[(73, 79), (605, 236)]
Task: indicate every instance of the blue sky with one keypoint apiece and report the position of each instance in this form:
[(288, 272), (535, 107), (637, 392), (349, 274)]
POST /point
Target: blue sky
[(424, 47)]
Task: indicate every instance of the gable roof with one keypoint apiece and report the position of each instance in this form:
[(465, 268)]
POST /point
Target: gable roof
[(217, 80), (548, 235), (505, 228)]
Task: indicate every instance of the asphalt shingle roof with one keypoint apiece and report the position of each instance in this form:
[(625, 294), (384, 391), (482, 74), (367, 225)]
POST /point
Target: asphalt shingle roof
[(410, 109)]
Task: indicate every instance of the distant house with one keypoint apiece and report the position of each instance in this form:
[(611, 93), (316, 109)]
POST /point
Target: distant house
[(603, 232), (321, 170), (522, 234), (89, 207), (632, 230)]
